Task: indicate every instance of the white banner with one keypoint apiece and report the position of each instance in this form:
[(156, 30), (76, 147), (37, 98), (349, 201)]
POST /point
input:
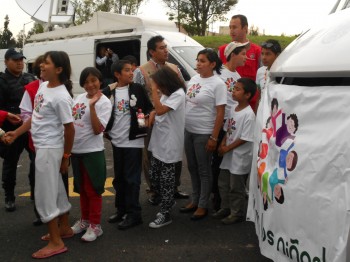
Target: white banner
[(299, 197)]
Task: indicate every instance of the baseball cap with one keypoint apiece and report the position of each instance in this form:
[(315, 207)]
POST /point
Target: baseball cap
[(232, 46), (11, 53)]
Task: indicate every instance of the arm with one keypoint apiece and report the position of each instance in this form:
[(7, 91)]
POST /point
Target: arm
[(224, 149), (95, 121), (11, 136), (212, 141), (68, 144), (101, 60)]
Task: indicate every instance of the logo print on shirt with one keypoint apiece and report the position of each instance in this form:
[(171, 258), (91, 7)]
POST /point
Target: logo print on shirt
[(79, 110), (194, 90), (38, 102), (230, 83), (231, 126), (123, 105)]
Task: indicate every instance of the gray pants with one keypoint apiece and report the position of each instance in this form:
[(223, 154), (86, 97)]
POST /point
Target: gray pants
[(199, 166), (232, 192)]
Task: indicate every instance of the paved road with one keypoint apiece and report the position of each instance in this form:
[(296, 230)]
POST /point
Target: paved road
[(183, 240)]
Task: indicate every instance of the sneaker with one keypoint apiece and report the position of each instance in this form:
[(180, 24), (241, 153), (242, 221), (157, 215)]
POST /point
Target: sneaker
[(161, 220), (232, 219), (92, 233), (80, 226), (222, 213), (10, 205)]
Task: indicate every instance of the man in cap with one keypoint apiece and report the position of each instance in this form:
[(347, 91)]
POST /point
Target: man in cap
[(12, 83)]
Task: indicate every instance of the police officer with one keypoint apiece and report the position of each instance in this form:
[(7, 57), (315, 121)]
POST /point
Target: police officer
[(12, 83)]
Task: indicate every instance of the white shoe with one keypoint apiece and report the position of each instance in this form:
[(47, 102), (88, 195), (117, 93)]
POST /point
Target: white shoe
[(80, 226), (161, 220), (92, 233)]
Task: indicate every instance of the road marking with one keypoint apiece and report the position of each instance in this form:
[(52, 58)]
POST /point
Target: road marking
[(107, 192)]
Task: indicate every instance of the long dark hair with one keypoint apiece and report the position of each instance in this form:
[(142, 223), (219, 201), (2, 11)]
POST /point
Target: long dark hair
[(61, 59), (168, 80), (212, 57)]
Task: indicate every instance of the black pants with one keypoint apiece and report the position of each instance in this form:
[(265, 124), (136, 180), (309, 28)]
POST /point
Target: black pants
[(127, 180), (11, 154)]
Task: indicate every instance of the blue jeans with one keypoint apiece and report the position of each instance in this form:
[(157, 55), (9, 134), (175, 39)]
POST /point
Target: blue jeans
[(199, 166), (127, 180)]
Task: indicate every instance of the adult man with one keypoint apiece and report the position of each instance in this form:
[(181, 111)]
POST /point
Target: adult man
[(158, 51), (104, 60), (238, 32), (12, 83)]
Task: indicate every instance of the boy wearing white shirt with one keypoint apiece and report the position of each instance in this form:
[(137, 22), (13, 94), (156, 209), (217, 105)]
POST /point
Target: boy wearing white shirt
[(236, 147)]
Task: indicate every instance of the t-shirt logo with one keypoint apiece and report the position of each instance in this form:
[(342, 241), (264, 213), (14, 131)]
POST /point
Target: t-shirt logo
[(38, 102), (193, 90), (79, 110), (231, 126), (123, 105), (230, 83)]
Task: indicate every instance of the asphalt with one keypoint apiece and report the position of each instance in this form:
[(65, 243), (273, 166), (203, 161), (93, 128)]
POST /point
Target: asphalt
[(183, 240)]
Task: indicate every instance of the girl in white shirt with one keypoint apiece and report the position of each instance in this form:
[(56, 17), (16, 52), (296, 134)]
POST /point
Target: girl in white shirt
[(91, 112), (205, 108), (53, 134), (167, 139)]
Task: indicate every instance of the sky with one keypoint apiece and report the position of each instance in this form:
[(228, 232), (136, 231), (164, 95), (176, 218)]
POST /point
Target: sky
[(272, 17)]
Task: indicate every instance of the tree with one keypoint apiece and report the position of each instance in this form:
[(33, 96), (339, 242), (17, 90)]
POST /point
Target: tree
[(194, 15), (84, 9), (6, 36)]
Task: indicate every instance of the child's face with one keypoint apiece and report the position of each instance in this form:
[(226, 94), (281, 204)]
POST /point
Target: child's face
[(48, 69), (289, 160), (239, 60), (267, 57), (238, 93), (126, 75), (290, 126), (204, 66), (92, 85), (277, 191)]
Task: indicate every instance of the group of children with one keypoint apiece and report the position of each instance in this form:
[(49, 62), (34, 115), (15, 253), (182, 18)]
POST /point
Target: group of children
[(65, 130)]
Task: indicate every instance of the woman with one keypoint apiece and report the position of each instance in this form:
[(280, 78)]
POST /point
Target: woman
[(205, 108)]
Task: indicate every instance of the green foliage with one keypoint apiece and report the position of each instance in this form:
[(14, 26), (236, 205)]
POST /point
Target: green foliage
[(216, 41), (195, 15), (6, 36)]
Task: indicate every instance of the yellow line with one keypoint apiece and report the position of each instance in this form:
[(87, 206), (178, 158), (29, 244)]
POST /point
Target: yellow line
[(108, 184)]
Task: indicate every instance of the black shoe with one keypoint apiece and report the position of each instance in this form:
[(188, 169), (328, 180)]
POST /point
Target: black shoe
[(37, 222), (155, 200), (116, 217), (10, 205), (181, 195), (128, 222)]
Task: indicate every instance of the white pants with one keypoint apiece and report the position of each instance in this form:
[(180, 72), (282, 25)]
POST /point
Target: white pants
[(50, 195)]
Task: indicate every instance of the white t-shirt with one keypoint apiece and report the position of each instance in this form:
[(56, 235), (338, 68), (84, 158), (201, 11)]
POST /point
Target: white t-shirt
[(52, 109), (85, 141), (230, 78), (239, 125), (202, 97), (121, 126), (167, 140), (261, 77)]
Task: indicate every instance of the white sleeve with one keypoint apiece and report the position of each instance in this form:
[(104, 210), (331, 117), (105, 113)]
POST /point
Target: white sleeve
[(248, 128), (100, 60), (104, 110), (220, 93), (63, 109), (175, 100)]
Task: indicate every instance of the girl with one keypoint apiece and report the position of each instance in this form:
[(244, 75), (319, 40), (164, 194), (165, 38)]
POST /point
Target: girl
[(168, 128), (127, 137), (205, 108), (91, 112), (53, 134)]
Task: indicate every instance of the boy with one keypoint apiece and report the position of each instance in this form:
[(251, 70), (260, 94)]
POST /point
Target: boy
[(236, 147)]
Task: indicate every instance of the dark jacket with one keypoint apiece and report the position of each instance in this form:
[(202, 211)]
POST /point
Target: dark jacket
[(143, 102)]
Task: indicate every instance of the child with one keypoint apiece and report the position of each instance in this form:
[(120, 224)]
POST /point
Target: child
[(270, 50), (236, 147), (53, 134), (127, 139), (167, 140), (91, 112)]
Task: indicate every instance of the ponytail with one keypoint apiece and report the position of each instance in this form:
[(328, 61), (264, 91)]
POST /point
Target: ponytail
[(69, 86)]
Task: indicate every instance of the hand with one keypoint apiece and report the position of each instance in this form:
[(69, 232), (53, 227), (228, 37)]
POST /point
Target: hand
[(95, 98), (64, 165), (211, 145), (13, 119), (9, 137)]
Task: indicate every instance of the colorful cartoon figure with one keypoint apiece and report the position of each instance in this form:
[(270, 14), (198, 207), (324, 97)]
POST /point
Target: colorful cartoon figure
[(274, 114), (288, 159), (287, 130), (276, 190)]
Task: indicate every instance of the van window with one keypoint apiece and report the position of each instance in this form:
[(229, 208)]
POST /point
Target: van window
[(184, 72), (189, 54)]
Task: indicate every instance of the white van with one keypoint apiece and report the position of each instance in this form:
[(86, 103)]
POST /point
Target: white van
[(299, 193), (124, 34)]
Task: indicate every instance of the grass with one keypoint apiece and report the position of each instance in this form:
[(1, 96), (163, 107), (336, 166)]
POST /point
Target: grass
[(216, 41)]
